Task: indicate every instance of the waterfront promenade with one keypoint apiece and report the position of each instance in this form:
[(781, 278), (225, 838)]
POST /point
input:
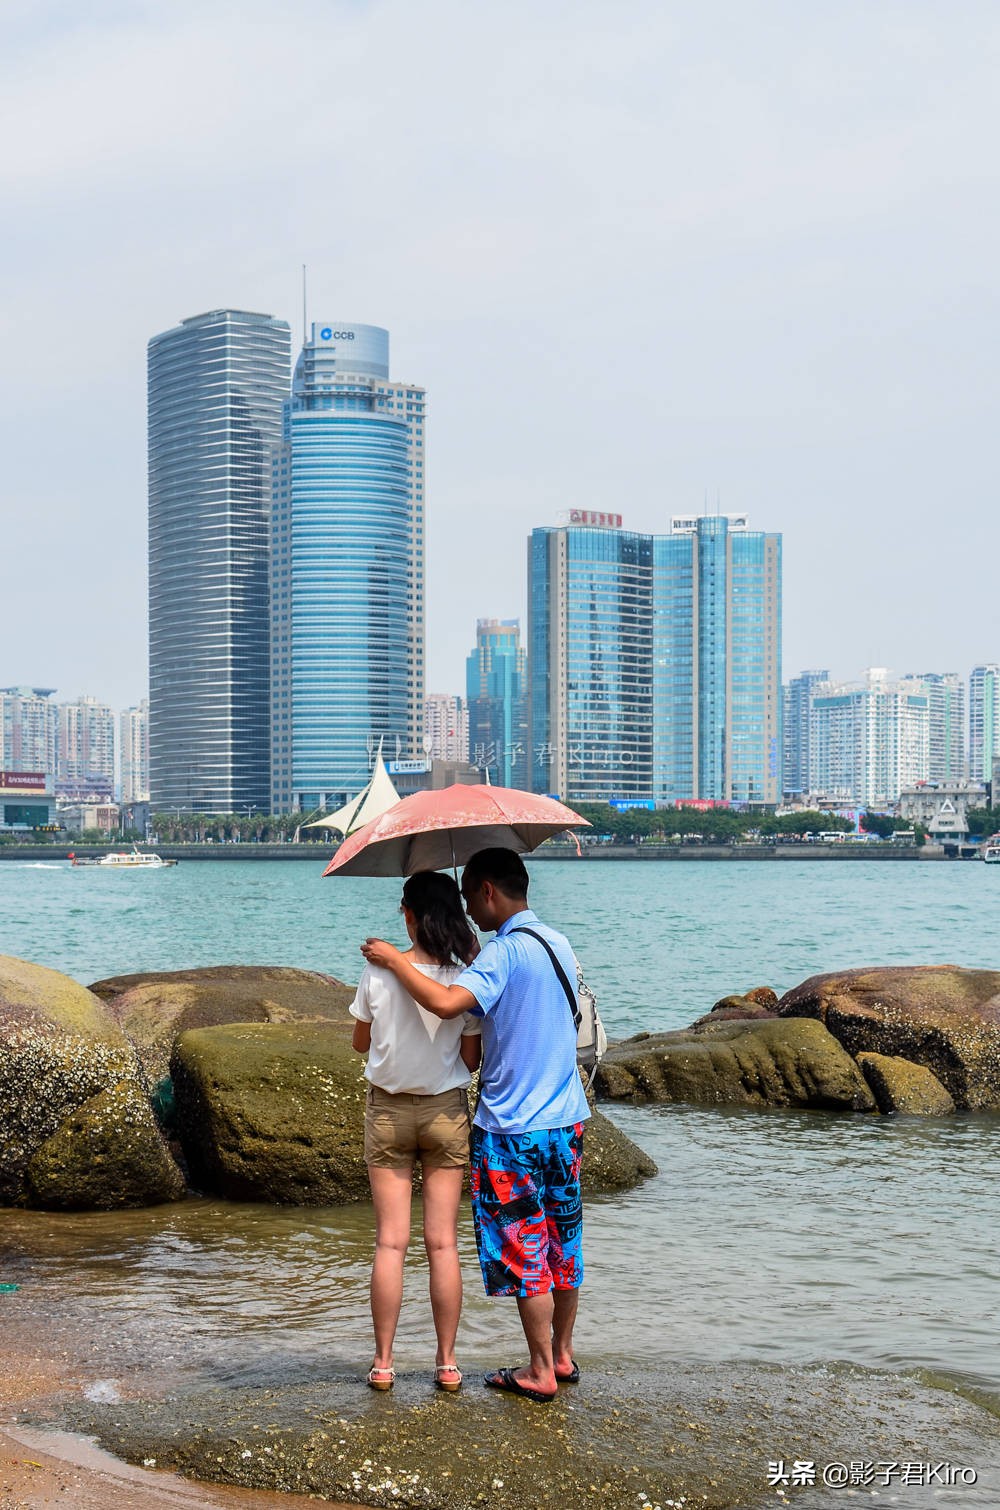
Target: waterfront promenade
[(319, 853)]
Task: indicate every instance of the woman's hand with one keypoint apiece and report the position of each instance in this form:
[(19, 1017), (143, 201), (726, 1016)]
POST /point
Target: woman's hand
[(378, 952)]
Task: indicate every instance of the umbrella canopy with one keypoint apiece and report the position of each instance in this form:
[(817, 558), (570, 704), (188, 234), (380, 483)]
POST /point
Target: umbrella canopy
[(436, 830)]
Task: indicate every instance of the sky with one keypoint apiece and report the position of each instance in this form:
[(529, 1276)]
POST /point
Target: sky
[(646, 257)]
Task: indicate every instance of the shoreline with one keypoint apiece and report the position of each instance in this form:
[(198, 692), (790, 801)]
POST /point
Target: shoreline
[(44, 1465), (319, 855)]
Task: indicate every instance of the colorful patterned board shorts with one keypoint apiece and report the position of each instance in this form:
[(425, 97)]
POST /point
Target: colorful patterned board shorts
[(527, 1209)]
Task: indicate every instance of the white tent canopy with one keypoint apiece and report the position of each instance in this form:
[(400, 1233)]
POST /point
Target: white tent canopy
[(376, 798)]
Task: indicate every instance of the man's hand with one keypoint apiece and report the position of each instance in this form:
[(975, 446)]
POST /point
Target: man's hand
[(378, 952)]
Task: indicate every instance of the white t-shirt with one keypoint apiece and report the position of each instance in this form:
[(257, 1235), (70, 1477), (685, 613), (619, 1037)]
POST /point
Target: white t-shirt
[(413, 1052)]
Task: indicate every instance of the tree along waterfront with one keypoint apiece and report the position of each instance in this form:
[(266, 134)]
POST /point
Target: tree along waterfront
[(631, 827)]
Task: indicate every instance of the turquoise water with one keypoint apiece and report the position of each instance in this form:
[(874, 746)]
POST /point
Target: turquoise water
[(659, 942), (794, 1239)]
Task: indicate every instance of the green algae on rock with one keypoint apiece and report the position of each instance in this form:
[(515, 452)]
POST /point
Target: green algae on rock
[(767, 1062), (275, 1112), (899, 1085), (156, 1007), (944, 1017), (272, 1112), (60, 1049)]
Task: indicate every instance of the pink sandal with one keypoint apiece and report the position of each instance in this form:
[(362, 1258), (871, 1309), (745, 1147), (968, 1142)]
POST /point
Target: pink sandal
[(452, 1383), (381, 1378)]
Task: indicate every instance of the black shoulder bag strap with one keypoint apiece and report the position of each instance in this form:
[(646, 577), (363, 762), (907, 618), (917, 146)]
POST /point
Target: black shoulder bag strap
[(570, 993)]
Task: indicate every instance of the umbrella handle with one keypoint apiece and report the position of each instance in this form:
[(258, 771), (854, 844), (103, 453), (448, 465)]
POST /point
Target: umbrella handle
[(454, 867)]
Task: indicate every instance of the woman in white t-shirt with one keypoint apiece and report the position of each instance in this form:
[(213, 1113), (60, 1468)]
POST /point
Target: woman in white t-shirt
[(418, 1070)]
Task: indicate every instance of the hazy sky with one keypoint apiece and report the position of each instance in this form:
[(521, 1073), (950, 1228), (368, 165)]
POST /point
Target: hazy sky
[(640, 255)]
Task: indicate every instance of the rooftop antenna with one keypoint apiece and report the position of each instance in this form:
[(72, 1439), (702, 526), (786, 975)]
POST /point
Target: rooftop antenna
[(303, 304)]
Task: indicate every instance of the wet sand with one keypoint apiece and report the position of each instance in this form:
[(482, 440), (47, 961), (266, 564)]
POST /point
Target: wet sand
[(40, 1469)]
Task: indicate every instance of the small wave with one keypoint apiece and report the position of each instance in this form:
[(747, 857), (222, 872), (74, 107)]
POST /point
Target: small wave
[(41, 864), (103, 1392)]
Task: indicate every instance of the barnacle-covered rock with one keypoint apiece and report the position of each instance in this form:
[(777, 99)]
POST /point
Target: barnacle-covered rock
[(944, 1017), (59, 1050)]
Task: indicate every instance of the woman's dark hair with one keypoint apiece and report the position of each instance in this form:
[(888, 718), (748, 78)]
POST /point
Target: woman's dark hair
[(443, 930)]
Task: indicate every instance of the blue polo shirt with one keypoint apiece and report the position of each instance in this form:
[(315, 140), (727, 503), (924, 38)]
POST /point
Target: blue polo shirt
[(529, 1080)]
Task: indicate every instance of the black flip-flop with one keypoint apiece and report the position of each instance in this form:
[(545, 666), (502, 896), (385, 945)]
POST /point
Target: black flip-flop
[(504, 1379), (573, 1377)]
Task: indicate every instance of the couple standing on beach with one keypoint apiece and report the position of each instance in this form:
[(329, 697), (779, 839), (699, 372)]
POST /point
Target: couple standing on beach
[(421, 1017)]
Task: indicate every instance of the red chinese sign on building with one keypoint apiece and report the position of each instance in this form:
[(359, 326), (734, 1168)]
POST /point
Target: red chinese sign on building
[(29, 781), (589, 516)]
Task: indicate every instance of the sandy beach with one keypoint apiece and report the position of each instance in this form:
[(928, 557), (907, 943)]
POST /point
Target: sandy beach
[(44, 1468)]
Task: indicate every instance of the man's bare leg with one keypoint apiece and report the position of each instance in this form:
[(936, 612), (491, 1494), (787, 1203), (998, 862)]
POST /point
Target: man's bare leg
[(565, 1305), (536, 1312)]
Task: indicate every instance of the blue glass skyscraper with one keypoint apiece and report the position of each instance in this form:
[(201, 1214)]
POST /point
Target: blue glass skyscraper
[(655, 661), (217, 383), (347, 641), (495, 687), (717, 661)]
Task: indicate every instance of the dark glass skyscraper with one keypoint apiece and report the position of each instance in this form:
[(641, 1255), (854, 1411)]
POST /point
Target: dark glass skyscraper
[(217, 383), (590, 661)]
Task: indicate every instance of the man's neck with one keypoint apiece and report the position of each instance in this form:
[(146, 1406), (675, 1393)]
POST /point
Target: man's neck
[(507, 909)]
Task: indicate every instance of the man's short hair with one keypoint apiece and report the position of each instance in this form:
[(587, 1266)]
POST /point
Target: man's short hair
[(502, 867)]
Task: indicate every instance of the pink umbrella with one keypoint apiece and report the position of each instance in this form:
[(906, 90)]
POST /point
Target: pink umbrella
[(435, 830)]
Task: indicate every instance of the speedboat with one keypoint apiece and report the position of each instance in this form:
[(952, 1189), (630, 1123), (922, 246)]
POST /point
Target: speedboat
[(991, 850), (129, 859)]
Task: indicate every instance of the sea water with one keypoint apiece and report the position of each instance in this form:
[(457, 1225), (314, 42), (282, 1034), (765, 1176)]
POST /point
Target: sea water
[(791, 1238)]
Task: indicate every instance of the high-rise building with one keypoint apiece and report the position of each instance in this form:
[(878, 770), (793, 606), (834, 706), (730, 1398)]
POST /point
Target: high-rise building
[(869, 742), (716, 647), (217, 383), (495, 690), (655, 660), (590, 658), (85, 748), (133, 746), (28, 722), (946, 711), (984, 721), (797, 710), (347, 570), (446, 727)]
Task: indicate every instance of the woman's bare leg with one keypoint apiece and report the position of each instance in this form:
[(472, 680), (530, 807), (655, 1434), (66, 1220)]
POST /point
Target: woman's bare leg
[(442, 1193), (391, 1193)]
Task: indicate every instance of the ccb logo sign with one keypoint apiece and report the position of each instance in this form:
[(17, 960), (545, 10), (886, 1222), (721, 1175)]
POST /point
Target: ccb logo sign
[(326, 334)]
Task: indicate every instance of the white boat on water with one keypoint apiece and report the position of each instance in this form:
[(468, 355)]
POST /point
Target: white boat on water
[(991, 850), (129, 859)]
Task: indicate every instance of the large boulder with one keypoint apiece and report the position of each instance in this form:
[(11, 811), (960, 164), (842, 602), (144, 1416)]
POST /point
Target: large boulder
[(275, 1112), (155, 1008), (76, 1131), (941, 1016), (771, 1062), (899, 1085), (272, 1112)]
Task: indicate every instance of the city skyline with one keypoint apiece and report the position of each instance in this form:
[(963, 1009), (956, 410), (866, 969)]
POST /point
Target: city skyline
[(804, 331)]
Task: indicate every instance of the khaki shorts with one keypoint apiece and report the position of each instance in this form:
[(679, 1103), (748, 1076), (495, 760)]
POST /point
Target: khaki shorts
[(400, 1129)]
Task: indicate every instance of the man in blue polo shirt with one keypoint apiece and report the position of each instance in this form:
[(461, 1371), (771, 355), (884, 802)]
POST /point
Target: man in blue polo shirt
[(527, 1136)]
